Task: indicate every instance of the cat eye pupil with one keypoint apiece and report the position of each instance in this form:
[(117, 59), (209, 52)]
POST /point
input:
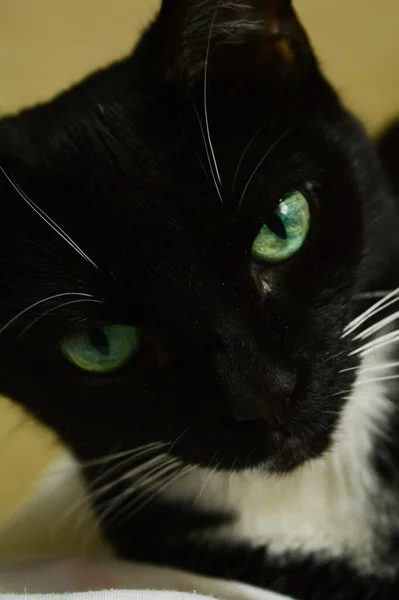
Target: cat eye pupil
[(102, 350), (276, 225), (99, 340), (284, 232)]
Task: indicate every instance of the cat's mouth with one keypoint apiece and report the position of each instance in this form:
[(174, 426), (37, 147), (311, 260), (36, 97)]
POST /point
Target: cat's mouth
[(231, 445)]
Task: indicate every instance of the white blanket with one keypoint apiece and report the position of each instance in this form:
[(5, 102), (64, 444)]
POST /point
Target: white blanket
[(109, 579), (41, 528)]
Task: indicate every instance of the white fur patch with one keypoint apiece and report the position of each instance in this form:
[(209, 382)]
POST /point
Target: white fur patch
[(326, 507)]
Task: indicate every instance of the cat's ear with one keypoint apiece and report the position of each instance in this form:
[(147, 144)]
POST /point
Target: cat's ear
[(237, 36)]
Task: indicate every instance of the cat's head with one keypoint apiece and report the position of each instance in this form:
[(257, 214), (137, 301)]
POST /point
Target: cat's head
[(183, 239)]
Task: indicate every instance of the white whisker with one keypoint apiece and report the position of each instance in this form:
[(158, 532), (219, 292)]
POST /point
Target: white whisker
[(377, 326), (208, 155), (47, 219), (170, 480), (133, 456), (146, 485), (104, 509), (267, 154), (377, 379), (114, 456), (179, 437), (360, 370), (151, 472), (159, 472), (389, 338), (206, 96), (378, 306), (47, 312), (25, 310), (146, 467), (243, 155), (205, 484), (347, 391), (371, 295), (199, 160)]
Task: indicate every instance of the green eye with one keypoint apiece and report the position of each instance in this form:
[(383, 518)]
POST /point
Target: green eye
[(285, 232), (102, 350)]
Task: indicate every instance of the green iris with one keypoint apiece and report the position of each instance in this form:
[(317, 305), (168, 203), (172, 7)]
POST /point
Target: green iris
[(285, 231), (102, 350)]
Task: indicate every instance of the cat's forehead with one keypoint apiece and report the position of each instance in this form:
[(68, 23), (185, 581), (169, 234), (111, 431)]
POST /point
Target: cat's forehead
[(189, 143), (183, 132)]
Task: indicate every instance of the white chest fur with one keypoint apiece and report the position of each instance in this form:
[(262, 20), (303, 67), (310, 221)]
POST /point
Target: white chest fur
[(328, 506)]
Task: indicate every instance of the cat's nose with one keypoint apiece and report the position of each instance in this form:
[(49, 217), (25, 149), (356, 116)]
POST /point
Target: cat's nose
[(269, 399), (259, 380)]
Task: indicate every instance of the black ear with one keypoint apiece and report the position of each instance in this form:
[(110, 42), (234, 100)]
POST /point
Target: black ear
[(242, 36)]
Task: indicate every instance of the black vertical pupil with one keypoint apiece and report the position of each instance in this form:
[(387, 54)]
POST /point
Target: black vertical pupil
[(276, 225), (99, 340)]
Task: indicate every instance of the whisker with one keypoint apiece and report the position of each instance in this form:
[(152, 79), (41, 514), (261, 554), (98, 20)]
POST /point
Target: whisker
[(150, 471), (205, 484), (132, 456), (158, 472), (206, 95), (93, 493), (102, 509), (110, 457), (269, 151), (377, 379), (46, 218), (387, 339), (377, 326), (371, 295), (148, 464), (171, 479), (179, 437), (360, 381), (347, 391), (100, 460), (360, 370), (25, 310), (247, 147), (198, 159), (47, 312), (378, 306), (336, 356), (208, 155), (151, 480)]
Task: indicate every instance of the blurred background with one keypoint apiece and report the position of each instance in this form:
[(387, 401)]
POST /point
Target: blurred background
[(46, 45)]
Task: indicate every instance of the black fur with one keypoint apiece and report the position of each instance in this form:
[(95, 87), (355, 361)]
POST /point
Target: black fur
[(230, 376)]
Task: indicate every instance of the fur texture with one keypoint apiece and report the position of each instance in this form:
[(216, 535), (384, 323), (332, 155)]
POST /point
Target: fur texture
[(253, 436)]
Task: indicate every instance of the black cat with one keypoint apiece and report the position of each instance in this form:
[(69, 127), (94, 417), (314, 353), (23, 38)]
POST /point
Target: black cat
[(199, 293)]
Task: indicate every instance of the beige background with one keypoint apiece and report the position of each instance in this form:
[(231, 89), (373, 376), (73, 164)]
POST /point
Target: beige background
[(47, 44)]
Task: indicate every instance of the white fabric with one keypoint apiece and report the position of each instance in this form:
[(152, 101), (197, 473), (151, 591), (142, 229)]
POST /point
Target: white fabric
[(86, 579), (110, 595), (42, 527), (114, 595)]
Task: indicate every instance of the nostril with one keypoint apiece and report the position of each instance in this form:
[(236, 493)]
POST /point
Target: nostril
[(258, 382)]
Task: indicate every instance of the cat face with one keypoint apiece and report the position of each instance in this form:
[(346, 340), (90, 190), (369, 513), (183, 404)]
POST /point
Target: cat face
[(184, 238)]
